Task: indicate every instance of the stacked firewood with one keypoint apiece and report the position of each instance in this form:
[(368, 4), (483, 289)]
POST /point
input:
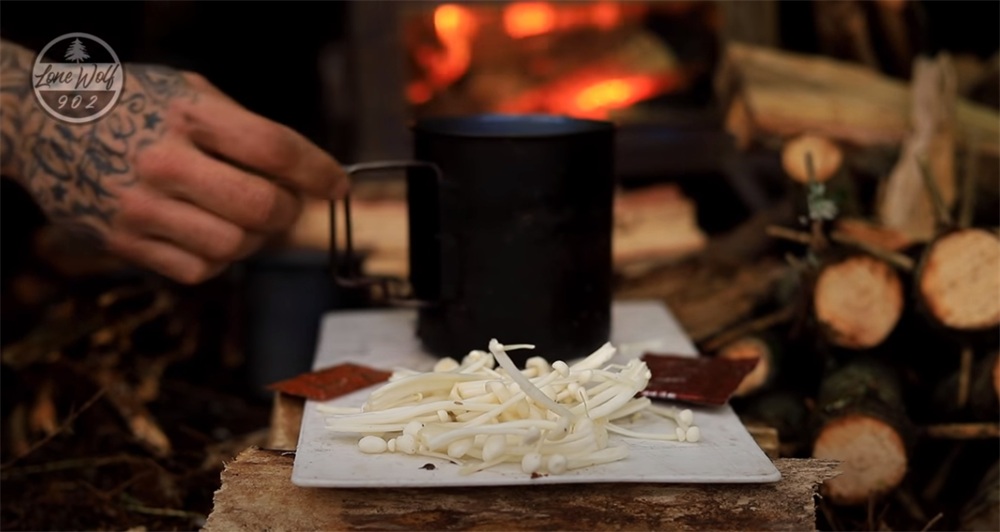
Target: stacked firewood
[(119, 405), (882, 345)]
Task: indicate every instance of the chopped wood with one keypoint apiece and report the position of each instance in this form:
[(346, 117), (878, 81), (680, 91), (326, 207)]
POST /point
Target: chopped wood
[(967, 197), (751, 348), (858, 301), (911, 202), (654, 224), (766, 438), (970, 393), (871, 233), (942, 208), (959, 278), (964, 377), (788, 94), (257, 493), (860, 419), (17, 432), (782, 409), (843, 31), (135, 414), (19, 429), (982, 510), (826, 156), (706, 297), (753, 326), (962, 431), (739, 124), (898, 260), (995, 373), (44, 416), (872, 453), (286, 421)]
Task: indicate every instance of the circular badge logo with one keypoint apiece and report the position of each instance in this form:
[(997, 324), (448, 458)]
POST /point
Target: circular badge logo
[(77, 78)]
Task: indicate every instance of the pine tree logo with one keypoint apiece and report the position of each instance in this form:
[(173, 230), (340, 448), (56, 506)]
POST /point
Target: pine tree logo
[(76, 51), (81, 84)]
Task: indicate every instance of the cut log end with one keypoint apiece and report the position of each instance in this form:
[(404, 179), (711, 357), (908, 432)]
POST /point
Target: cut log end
[(749, 348), (873, 458), (959, 281), (858, 301), (826, 158)]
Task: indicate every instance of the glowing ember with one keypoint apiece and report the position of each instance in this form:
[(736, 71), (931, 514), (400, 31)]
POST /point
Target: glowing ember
[(613, 93), (589, 85), (606, 15), (526, 19)]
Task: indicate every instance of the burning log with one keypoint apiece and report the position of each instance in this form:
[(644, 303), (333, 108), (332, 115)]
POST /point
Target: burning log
[(861, 419)]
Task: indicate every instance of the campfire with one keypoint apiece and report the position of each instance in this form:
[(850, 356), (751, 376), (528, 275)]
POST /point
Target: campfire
[(580, 59)]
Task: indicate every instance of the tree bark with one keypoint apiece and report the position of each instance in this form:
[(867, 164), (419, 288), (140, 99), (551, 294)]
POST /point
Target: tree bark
[(257, 494), (860, 418)]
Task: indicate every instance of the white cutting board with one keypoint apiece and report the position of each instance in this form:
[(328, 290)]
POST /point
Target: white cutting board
[(385, 339)]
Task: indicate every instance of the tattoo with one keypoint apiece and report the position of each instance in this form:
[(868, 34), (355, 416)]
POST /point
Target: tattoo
[(76, 171)]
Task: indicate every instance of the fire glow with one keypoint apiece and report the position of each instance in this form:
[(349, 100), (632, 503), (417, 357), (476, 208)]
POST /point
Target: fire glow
[(614, 94), (593, 93)]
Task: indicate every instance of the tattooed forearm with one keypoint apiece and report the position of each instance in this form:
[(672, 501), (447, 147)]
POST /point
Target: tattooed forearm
[(76, 171), (15, 91)]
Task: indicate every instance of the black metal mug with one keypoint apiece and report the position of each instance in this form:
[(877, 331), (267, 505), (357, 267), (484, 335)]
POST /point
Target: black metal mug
[(510, 224)]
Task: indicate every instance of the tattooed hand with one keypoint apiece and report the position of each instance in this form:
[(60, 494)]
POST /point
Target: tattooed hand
[(177, 178)]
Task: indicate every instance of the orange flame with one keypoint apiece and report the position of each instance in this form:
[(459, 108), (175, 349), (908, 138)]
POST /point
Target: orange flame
[(593, 96), (614, 93), (455, 27), (525, 19)]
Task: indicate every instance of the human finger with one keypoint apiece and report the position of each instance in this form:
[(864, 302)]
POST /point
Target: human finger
[(187, 226), (164, 258), (180, 170), (264, 146)]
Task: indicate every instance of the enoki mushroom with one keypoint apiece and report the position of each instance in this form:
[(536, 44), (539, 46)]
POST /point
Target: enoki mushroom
[(484, 411)]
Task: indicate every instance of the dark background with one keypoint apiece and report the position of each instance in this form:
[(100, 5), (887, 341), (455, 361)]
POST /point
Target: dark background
[(264, 54)]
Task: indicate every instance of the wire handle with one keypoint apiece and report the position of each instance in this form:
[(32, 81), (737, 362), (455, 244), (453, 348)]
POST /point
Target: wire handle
[(391, 286)]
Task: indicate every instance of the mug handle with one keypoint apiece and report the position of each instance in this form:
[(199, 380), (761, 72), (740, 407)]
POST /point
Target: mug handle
[(354, 279)]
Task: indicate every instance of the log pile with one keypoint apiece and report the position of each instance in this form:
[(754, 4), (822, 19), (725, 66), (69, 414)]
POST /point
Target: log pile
[(882, 351), (118, 409)]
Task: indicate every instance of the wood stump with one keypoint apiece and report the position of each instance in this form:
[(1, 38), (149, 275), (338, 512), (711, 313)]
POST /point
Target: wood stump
[(958, 280), (861, 420), (858, 301), (749, 348)]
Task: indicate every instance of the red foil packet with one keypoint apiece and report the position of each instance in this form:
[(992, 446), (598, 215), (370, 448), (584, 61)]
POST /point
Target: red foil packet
[(335, 381), (699, 380)]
